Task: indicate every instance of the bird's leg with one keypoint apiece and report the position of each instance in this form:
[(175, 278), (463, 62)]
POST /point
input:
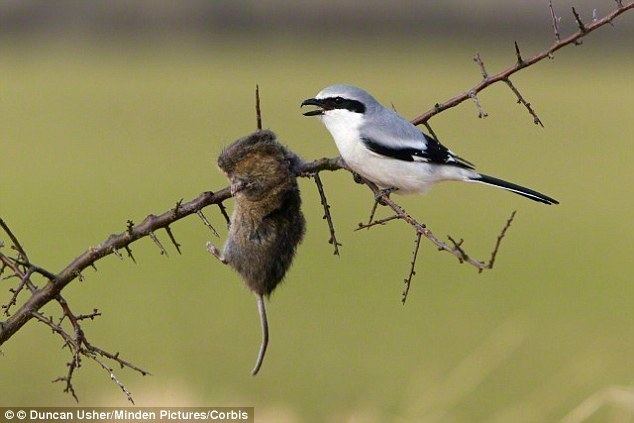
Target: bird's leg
[(378, 199), (265, 335), (216, 252), (357, 178)]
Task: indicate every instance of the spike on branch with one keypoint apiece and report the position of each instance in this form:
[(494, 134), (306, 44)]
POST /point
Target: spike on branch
[(555, 20), (206, 223), (480, 63), (158, 244), (520, 61), (171, 235), (258, 112), (580, 23)]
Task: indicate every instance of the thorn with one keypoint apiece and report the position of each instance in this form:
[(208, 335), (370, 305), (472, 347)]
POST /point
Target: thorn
[(556, 21), (130, 226), (129, 251), (206, 223), (480, 63), (117, 253), (171, 235), (258, 112), (158, 243), (177, 207), (520, 61), (580, 23)]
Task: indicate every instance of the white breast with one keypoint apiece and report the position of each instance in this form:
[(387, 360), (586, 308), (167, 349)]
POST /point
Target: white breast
[(408, 177)]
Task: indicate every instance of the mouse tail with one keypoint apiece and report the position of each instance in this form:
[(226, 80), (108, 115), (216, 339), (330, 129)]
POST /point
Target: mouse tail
[(265, 335)]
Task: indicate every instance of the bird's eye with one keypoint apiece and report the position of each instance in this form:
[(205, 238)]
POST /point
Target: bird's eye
[(338, 100)]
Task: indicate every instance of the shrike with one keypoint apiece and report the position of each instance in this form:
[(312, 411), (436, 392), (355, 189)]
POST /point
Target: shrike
[(386, 149)]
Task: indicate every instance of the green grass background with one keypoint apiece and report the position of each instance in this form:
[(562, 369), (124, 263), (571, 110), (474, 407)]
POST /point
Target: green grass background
[(93, 135)]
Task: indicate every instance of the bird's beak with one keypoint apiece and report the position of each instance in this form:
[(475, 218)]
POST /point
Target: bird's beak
[(313, 102)]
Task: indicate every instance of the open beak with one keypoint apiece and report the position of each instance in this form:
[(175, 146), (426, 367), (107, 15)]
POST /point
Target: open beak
[(313, 102)]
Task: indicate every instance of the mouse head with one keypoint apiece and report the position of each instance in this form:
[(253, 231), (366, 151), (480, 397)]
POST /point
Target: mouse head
[(256, 164)]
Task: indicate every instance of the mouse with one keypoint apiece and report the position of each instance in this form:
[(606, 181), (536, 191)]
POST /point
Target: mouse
[(267, 223)]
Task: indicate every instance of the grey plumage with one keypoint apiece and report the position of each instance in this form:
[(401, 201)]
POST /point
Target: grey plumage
[(386, 149)]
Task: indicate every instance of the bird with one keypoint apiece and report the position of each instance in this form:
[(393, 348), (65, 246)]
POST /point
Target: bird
[(386, 149)]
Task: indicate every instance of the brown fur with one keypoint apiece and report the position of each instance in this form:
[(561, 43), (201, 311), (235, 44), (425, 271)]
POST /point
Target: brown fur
[(267, 224)]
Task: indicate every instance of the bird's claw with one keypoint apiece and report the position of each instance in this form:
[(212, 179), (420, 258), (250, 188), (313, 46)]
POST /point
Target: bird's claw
[(382, 194)]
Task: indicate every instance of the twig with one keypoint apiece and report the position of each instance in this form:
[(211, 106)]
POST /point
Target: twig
[(499, 239), (206, 223), (327, 216), (412, 271), (481, 112), (555, 20), (16, 244), (480, 63), (376, 222), (457, 246), (580, 24), (431, 131), (520, 61), (154, 238), (523, 101), (506, 73), (223, 210)]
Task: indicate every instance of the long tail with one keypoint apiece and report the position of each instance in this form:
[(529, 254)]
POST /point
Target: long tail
[(265, 335), (526, 192)]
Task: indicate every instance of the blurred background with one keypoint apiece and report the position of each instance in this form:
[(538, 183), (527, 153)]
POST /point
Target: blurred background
[(114, 110)]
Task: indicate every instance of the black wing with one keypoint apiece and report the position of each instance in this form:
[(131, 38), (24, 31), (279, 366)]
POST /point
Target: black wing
[(434, 152)]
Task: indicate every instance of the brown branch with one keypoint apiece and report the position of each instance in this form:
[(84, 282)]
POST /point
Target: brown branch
[(327, 216), (376, 222), (555, 20), (480, 63), (522, 100), (506, 73), (114, 242), (412, 271), (501, 236), (16, 244), (426, 232)]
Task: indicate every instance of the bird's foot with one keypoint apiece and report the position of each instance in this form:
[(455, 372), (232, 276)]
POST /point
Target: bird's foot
[(384, 193), (216, 252), (379, 199)]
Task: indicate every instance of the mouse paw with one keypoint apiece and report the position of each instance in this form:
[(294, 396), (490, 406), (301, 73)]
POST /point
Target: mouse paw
[(216, 252)]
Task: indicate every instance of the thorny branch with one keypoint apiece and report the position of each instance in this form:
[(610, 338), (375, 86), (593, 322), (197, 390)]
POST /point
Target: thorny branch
[(327, 216), (503, 75), (16, 264)]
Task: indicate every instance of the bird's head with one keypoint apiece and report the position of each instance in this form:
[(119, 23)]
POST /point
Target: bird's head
[(341, 101)]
